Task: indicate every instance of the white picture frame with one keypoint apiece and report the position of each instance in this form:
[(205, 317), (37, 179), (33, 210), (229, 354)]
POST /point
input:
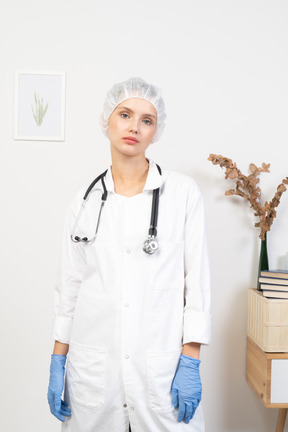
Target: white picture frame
[(39, 106)]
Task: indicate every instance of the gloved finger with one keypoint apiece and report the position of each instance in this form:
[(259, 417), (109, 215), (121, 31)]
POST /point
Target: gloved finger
[(59, 416), (195, 405), (64, 414), (64, 405), (194, 409), (57, 403), (50, 397), (56, 408), (189, 413), (52, 403), (181, 412), (65, 411), (175, 398)]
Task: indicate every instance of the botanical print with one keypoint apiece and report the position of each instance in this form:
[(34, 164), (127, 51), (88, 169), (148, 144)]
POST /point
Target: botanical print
[(39, 108), (40, 111)]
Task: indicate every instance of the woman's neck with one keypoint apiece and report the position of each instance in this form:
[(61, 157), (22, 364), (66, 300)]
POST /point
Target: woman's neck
[(129, 175)]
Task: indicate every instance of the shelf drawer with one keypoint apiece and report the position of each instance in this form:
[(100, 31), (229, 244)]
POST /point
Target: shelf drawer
[(267, 374)]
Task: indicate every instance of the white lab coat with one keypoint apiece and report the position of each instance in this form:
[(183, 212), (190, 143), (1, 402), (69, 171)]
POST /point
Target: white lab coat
[(126, 314)]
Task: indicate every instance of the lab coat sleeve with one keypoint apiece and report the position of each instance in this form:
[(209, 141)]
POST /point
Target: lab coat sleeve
[(70, 274), (197, 316)]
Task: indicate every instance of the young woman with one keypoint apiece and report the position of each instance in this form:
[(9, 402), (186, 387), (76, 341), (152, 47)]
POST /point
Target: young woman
[(132, 304)]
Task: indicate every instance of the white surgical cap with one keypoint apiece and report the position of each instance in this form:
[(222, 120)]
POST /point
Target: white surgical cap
[(134, 88)]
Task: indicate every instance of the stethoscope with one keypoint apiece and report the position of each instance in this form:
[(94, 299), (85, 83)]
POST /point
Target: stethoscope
[(150, 245)]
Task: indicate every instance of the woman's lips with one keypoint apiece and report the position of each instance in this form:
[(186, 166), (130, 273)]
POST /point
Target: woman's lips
[(130, 140)]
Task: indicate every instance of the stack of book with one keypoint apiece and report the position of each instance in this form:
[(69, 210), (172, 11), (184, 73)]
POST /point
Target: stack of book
[(274, 283)]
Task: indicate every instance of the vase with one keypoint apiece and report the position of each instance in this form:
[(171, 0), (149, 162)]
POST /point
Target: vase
[(263, 260)]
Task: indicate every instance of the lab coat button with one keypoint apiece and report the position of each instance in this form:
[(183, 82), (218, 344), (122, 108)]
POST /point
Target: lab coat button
[(125, 405), (127, 356), (132, 407), (128, 251)]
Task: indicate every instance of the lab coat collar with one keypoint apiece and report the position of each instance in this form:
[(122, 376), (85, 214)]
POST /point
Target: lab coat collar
[(153, 181)]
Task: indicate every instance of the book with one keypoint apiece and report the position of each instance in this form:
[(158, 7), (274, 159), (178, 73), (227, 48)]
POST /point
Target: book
[(273, 281), (276, 294), (275, 287), (281, 274)]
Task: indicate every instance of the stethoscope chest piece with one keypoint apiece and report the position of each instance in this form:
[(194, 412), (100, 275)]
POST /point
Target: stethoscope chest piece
[(151, 245)]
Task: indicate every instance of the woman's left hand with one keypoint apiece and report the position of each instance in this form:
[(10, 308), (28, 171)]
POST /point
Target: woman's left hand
[(58, 407), (187, 388)]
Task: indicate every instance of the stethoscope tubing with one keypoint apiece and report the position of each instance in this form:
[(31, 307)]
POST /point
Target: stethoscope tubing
[(93, 184), (153, 220)]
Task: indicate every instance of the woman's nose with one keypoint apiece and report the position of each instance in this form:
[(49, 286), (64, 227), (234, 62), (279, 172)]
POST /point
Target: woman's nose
[(134, 126)]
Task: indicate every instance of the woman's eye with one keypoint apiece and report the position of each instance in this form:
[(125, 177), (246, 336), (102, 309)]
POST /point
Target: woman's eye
[(148, 122), (124, 115)]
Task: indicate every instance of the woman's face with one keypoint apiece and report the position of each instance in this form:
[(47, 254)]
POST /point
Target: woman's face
[(131, 126)]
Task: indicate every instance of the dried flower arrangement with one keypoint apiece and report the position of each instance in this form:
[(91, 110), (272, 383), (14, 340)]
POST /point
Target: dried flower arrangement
[(248, 188)]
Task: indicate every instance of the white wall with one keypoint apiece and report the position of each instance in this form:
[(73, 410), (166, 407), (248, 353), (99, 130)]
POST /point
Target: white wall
[(223, 68)]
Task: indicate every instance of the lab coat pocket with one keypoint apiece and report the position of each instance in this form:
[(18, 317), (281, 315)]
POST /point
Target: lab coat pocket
[(161, 368), (167, 267), (86, 375)]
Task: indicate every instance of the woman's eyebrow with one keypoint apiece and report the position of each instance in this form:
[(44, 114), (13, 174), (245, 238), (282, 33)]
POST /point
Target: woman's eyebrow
[(129, 109)]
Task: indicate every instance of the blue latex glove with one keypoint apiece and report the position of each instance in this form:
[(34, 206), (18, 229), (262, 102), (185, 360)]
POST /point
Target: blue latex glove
[(58, 407), (186, 387)]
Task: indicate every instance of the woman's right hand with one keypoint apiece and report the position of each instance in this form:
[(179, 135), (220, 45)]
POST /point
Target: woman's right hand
[(58, 407)]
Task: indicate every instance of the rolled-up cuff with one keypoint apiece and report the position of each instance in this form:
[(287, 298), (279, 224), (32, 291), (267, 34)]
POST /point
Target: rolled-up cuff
[(197, 327), (62, 329)]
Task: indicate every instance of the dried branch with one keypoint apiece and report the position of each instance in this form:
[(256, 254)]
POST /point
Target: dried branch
[(247, 187)]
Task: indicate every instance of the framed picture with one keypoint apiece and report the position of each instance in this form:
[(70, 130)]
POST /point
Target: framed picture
[(39, 108)]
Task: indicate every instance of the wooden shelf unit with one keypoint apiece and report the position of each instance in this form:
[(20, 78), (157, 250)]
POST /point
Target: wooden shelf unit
[(258, 375)]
